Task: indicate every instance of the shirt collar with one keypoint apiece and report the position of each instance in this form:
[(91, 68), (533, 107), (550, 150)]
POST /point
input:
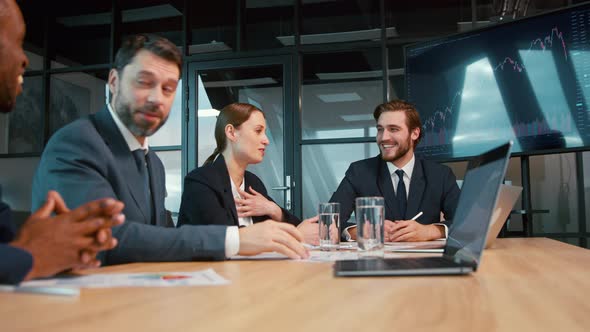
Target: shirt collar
[(234, 188), (408, 168), (131, 141)]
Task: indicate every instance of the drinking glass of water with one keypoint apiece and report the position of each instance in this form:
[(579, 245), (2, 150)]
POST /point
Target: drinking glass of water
[(370, 215), (329, 222)]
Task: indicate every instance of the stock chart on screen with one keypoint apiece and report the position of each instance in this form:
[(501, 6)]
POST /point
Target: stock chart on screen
[(526, 81)]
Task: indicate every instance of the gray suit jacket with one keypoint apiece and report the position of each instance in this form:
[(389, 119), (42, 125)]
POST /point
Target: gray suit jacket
[(89, 159)]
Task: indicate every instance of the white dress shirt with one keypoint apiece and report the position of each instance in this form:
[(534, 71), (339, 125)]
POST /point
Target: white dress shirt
[(242, 221), (408, 170), (232, 236)]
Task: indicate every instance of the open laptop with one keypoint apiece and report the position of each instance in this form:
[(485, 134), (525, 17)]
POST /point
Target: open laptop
[(467, 236), (506, 200)]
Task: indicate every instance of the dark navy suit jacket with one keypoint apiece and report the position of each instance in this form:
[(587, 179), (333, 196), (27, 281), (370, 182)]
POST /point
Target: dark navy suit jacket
[(89, 159), (15, 263), (433, 189), (208, 200)]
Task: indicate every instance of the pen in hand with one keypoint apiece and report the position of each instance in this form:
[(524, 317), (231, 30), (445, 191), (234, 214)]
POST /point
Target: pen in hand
[(417, 216)]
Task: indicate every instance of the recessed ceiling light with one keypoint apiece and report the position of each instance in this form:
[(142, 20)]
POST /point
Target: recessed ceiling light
[(244, 82), (340, 97)]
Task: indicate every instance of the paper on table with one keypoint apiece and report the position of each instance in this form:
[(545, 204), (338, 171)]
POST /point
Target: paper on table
[(393, 246), (262, 256), (161, 279), (331, 256), (315, 256)]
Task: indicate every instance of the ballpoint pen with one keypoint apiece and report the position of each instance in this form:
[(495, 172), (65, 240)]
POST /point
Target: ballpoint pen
[(417, 216)]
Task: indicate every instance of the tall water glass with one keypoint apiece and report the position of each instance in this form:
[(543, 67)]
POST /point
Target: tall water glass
[(329, 222), (370, 215)]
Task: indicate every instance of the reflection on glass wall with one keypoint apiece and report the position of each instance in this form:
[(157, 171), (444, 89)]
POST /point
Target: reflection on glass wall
[(514, 177), (80, 35), (425, 18), (396, 62), (339, 93), (171, 132), (17, 182), (259, 86), (324, 166), (328, 21), (172, 162), (586, 161), (269, 24), (35, 35), (35, 61), (212, 27), (74, 95), (159, 17), (22, 129), (554, 188)]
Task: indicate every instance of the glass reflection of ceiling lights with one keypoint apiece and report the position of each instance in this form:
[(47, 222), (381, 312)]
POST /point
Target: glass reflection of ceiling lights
[(128, 15), (208, 113), (213, 46), (268, 3), (241, 82), (339, 97), (359, 74), (339, 37)]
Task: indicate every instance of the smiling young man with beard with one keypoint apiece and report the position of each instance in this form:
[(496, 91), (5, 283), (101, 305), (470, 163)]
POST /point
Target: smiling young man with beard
[(107, 155), (427, 186)]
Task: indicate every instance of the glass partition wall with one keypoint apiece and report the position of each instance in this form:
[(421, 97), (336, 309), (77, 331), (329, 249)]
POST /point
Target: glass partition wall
[(334, 61)]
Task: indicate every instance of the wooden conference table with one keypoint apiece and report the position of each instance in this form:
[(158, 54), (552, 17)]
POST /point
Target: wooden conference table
[(533, 284)]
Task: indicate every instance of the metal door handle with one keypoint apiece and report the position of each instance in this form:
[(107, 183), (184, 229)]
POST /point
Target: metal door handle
[(287, 190), (281, 188)]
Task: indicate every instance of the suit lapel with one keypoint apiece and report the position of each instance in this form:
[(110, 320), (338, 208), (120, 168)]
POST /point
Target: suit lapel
[(106, 126), (249, 182), (386, 187), (156, 186), (228, 198), (417, 186)]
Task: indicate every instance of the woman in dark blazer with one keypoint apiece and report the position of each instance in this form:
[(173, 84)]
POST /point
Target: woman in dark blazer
[(222, 191)]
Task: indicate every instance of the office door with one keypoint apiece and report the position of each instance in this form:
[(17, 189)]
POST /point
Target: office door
[(263, 82)]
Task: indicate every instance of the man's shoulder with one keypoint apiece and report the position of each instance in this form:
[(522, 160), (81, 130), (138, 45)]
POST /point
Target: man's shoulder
[(368, 164), (205, 174), (430, 166), (76, 139), (75, 132)]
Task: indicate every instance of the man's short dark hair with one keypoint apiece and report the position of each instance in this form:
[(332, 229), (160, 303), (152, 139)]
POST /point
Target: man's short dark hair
[(398, 105), (159, 46)]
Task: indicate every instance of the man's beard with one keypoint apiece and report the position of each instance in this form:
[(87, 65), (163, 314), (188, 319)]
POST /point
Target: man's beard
[(126, 115), (402, 150)]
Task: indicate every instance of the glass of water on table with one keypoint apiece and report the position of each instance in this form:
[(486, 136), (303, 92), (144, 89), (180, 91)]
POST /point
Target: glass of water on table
[(329, 222), (370, 216)]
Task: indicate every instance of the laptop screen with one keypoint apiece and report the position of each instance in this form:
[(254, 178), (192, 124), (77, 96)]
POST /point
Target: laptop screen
[(482, 181)]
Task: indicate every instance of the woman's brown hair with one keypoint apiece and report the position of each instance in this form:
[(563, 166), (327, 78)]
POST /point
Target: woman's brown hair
[(233, 114)]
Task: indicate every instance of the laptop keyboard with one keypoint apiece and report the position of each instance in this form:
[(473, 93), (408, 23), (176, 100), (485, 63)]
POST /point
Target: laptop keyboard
[(413, 263)]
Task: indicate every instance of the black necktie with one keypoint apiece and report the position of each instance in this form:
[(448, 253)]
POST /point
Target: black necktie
[(144, 171), (401, 193)]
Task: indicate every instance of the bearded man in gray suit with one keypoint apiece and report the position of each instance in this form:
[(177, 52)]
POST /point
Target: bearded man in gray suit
[(107, 155)]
